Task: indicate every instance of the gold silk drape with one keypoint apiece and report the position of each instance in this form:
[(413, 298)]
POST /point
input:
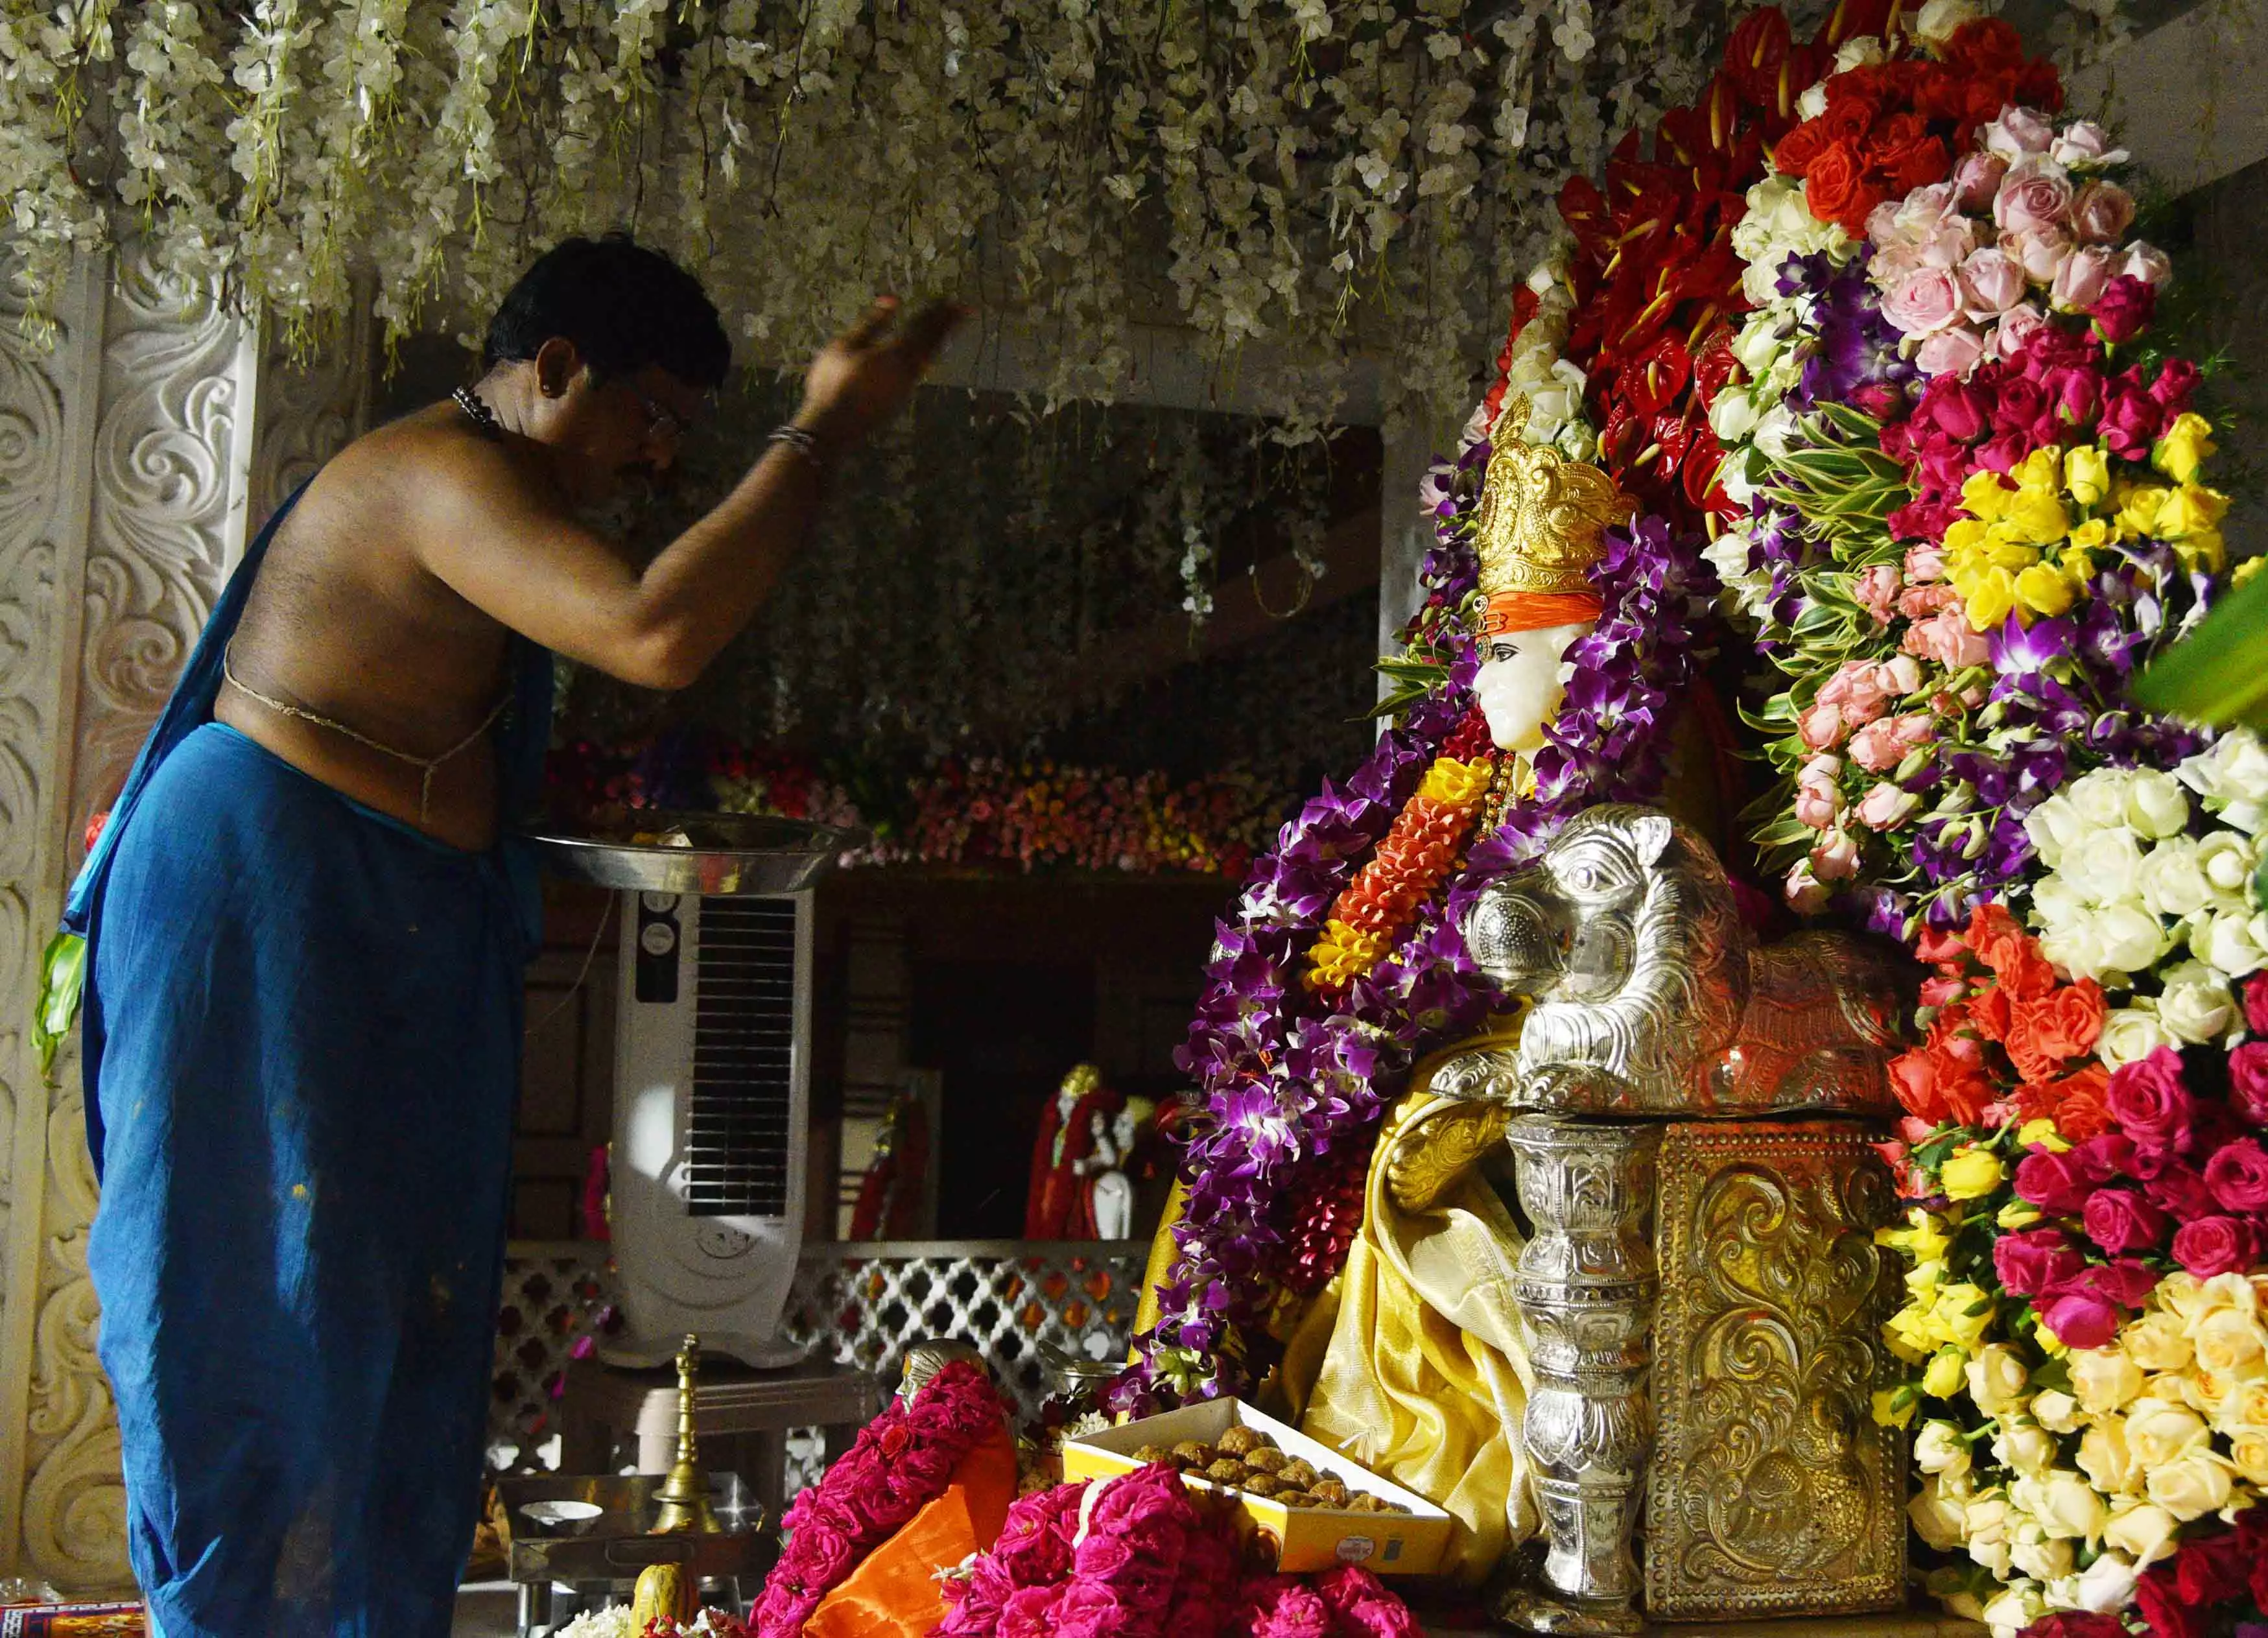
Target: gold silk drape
[(1411, 1362)]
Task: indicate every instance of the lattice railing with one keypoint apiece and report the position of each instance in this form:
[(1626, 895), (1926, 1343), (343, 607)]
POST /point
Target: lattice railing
[(558, 1300), (857, 1304)]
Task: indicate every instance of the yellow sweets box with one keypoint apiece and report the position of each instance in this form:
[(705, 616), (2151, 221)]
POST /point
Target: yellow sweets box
[(1302, 1537)]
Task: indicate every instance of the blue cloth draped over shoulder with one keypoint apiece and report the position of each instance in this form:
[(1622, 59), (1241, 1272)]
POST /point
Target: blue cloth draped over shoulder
[(301, 1051)]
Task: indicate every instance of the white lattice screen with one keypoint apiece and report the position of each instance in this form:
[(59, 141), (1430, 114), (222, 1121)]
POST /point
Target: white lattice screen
[(857, 1304)]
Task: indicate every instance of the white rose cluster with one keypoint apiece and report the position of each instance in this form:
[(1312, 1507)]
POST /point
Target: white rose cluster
[(2232, 781), (1779, 224), (1770, 347), (2131, 885), (2165, 1427), (1538, 372)]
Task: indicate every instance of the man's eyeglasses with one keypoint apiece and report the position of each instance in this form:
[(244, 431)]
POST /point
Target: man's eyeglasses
[(661, 421)]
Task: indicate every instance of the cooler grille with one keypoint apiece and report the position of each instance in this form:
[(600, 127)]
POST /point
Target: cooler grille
[(737, 1150)]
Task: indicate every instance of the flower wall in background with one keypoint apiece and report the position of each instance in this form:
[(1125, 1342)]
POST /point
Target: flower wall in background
[(980, 814)]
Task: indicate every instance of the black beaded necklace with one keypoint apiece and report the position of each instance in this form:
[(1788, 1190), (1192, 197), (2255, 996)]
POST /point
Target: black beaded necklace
[(477, 409)]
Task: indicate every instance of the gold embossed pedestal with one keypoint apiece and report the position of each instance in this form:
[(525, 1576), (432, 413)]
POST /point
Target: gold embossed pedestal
[(1710, 1382), (1774, 1493)]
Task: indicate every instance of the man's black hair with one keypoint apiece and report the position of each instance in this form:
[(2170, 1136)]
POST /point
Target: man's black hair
[(624, 307)]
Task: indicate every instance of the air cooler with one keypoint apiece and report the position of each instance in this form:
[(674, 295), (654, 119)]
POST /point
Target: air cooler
[(712, 1070), (712, 1090)]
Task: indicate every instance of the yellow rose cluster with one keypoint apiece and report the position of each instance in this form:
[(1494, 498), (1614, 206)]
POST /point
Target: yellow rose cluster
[(2167, 1425), (1943, 1322), (2029, 544)]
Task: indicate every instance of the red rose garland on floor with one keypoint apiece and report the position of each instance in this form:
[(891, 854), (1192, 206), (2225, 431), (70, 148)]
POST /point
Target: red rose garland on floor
[(902, 1460)]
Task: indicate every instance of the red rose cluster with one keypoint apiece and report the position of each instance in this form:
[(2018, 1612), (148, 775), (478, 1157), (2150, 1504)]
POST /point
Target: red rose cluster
[(2059, 390), (1890, 128), (2187, 1598), (2000, 1045), (2176, 1171)]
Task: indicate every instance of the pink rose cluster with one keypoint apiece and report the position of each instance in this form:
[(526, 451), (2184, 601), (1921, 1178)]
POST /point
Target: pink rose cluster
[(1138, 1557), (1866, 723), (1032, 1556), (2182, 1172), (2057, 388), (1969, 267), (901, 1461)]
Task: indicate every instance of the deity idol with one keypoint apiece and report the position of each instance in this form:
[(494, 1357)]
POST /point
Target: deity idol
[(1413, 1360), (1541, 518), (1060, 1206), (1450, 1353)]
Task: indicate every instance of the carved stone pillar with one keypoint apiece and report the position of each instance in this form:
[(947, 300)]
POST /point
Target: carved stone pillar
[(135, 457), (1586, 1290)]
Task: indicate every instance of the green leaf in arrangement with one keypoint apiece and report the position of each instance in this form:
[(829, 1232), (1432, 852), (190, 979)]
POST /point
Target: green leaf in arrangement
[(2218, 672), (1413, 667), (1786, 831), (1852, 424)]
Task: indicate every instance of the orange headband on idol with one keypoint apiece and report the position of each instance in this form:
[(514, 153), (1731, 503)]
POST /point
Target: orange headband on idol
[(1534, 611)]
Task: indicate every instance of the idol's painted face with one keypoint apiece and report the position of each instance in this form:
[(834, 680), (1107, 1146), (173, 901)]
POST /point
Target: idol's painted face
[(1519, 682)]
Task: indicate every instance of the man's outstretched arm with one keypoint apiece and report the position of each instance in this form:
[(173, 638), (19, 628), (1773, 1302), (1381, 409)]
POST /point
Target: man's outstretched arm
[(500, 542)]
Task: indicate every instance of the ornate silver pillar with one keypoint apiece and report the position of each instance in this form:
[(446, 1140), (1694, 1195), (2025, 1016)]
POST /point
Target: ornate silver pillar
[(1586, 1290)]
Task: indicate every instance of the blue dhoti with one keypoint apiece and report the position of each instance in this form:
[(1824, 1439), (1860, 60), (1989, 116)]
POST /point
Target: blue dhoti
[(301, 1051)]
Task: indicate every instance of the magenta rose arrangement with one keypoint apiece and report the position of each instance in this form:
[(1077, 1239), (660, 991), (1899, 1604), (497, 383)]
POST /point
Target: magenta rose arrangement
[(1140, 1557), (902, 1460)]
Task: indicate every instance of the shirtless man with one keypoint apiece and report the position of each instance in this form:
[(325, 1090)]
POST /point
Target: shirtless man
[(307, 926)]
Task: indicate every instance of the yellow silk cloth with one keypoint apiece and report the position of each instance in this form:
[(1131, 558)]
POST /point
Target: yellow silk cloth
[(1411, 1362), (893, 1594), (1162, 1253)]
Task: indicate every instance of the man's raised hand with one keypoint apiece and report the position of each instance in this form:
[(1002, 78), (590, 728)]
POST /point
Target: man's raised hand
[(864, 376)]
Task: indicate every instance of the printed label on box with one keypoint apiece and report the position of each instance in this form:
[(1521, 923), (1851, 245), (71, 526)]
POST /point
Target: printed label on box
[(1355, 1549)]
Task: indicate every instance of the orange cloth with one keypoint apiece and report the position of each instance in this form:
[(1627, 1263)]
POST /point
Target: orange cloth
[(894, 1593), (1535, 611)]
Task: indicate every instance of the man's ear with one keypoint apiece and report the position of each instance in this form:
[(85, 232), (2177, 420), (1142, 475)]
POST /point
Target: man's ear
[(557, 362)]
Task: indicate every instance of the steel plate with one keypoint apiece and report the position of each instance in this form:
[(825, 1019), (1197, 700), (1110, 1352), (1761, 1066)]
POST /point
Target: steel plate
[(723, 855)]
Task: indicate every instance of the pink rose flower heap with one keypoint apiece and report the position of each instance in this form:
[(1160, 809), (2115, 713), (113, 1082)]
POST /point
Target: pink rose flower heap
[(1142, 1557)]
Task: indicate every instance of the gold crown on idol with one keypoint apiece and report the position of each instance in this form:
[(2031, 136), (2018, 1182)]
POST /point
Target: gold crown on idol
[(1541, 515)]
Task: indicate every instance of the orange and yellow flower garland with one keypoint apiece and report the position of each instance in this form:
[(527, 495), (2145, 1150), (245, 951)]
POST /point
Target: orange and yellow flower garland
[(1378, 906)]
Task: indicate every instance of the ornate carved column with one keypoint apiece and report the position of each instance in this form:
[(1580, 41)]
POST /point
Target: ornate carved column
[(1586, 1289), (134, 457)]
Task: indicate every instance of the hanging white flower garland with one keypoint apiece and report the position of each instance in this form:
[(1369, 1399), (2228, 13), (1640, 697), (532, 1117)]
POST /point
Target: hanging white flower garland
[(1376, 173)]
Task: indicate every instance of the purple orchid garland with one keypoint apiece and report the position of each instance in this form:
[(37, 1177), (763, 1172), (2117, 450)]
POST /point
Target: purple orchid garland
[(1285, 1083)]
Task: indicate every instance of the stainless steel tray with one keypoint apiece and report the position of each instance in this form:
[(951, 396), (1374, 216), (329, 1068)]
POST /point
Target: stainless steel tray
[(723, 855)]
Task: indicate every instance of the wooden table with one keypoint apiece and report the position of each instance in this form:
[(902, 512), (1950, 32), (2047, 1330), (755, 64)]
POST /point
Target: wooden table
[(740, 1415)]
